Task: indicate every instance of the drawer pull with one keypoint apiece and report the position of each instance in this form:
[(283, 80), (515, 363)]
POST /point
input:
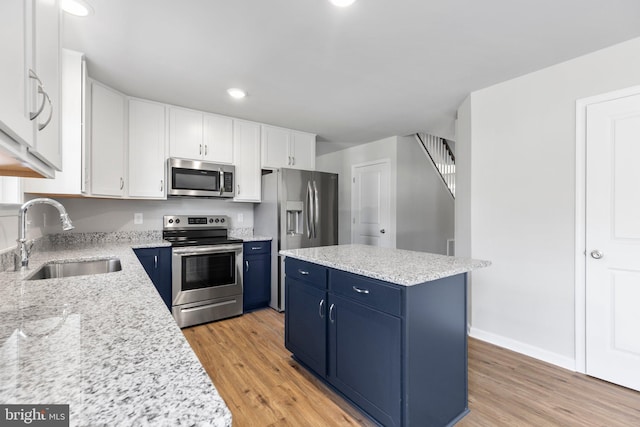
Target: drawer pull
[(361, 291), (304, 273), (255, 248)]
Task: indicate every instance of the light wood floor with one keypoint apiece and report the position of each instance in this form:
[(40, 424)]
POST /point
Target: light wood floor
[(262, 386)]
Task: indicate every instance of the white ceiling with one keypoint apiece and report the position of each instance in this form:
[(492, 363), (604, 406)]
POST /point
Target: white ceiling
[(377, 69)]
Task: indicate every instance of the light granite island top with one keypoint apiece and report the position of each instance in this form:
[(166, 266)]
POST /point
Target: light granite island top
[(397, 266), (105, 344)]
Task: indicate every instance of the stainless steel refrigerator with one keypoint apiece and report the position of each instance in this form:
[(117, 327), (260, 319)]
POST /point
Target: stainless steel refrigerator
[(299, 209)]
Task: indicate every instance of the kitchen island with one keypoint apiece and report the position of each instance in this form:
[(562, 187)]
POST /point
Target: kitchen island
[(386, 328), (105, 344)]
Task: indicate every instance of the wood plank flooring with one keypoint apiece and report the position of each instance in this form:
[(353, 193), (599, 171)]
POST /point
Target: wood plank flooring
[(263, 386)]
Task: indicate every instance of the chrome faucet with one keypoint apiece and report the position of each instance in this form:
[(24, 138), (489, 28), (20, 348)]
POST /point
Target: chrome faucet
[(21, 256)]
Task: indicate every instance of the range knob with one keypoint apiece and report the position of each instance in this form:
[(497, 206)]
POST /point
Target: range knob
[(210, 220), (221, 219), (217, 220), (177, 220), (171, 221)]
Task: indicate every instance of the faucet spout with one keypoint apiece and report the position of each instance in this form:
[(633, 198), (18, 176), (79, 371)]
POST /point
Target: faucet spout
[(23, 251)]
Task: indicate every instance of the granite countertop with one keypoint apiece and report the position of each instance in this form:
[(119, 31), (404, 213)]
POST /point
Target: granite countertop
[(104, 344), (397, 266)]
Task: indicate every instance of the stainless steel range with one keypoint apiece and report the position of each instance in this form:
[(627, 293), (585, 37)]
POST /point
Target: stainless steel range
[(206, 268)]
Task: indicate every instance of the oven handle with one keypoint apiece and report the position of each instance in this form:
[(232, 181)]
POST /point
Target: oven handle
[(200, 250)]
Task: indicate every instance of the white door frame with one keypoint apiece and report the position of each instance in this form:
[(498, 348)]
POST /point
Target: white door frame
[(392, 225), (581, 221)]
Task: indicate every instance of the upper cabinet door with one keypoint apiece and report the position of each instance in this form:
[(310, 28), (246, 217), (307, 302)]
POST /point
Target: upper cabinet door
[(303, 150), (218, 139), (46, 87), (185, 134), (146, 149), (14, 104), (246, 147), (107, 142), (275, 147), (285, 148)]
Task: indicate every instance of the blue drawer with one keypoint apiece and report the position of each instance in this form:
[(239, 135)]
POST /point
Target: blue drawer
[(256, 248), (313, 274), (374, 293)]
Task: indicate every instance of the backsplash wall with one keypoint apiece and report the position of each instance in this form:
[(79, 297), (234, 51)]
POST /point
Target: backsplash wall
[(109, 215)]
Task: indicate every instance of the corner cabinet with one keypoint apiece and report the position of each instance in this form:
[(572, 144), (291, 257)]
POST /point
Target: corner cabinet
[(257, 275), (246, 154), (147, 137), (399, 353), (108, 146), (157, 264)]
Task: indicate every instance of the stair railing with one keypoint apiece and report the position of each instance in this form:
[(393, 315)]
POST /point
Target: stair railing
[(442, 157)]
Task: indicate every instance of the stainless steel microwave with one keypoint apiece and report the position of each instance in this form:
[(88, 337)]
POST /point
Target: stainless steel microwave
[(193, 178)]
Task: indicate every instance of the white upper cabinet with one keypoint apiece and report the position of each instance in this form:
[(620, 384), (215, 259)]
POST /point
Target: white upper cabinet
[(73, 89), (218, 138), (29, 84), (185, 133), (46, 87), (107, 142), (285, 148), (246, 153), (147, 136), (200, 136)]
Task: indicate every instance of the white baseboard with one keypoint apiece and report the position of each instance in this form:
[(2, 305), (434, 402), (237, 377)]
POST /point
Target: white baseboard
[(526, 349)]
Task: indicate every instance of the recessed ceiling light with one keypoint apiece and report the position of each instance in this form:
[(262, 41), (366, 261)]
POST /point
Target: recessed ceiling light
[(236, 93), (342, 3), (76, 7)]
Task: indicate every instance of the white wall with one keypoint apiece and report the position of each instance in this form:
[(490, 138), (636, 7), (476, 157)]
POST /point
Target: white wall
[(521, 205), (340, 162), (109, 215), (425, 208)]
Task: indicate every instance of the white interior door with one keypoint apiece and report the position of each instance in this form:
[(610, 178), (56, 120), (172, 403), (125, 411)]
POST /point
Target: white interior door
[(613, 241), (370, 204)]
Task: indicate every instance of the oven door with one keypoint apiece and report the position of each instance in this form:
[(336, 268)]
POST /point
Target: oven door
[(201, 273)]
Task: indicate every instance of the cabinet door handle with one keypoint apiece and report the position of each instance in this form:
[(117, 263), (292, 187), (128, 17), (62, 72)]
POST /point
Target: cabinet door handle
[(304, 273), (46, 123), (121, 183), (33, 75), (293, 160), (161, 185), (360, 290), (321, 309), (201, 149), (246, 266), (155, 262), (331, 313), (206, 149), (238, 192)]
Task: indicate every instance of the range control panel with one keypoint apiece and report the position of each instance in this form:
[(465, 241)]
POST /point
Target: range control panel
[(195, 221)]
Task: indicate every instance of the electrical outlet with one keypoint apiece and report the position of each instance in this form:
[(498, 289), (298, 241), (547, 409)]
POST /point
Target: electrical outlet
[(137, 218), (240, 218)]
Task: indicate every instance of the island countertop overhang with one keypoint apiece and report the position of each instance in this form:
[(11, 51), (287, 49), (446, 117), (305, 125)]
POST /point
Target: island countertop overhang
[(398, 266)]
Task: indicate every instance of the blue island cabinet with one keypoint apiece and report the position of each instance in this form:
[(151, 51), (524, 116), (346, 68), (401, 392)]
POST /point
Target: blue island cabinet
[(399, 353), (157, 264)]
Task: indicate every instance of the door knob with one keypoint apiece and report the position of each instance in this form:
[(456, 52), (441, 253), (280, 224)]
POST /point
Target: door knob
[(382, 231), (596, 254)]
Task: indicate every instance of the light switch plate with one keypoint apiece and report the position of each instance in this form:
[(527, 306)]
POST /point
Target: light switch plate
[(137, 218), (240, 218)]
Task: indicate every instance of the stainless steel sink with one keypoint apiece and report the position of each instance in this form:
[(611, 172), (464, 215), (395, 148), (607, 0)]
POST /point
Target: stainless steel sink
[(59, 269)]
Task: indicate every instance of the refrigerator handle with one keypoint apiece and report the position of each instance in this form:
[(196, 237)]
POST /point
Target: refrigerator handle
[(316, 210), (309, 212)]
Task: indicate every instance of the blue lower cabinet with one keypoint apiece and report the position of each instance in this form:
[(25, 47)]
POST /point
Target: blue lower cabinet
[(365, 357), (256, 279), (305, 325), (157, 264), (399, 353)]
